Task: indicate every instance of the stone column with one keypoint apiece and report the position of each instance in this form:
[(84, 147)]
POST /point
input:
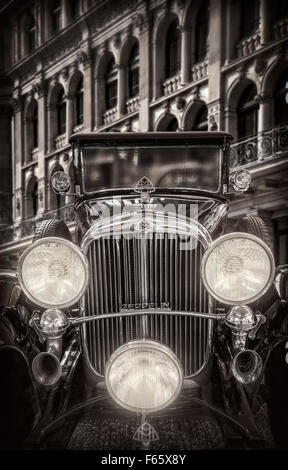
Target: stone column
[(15, 43), (51, 126), (42, 121), (5, 166), (214, 88), (265, 20), (230, 121), (65, 13), (28, 139), (121, 91), (89, 95), (265, 112), (70, 121), (18, 157), (99, 100), (232, 29), (145, 59), (185, 55)]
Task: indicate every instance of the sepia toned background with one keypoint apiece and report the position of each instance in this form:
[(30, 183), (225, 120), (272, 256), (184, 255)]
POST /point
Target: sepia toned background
[(149, 65)]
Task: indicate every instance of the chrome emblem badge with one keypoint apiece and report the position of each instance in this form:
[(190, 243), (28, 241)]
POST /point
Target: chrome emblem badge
[(144, 187), (145, 433)]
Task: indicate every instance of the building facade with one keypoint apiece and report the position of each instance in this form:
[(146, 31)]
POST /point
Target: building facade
[(147, 65)]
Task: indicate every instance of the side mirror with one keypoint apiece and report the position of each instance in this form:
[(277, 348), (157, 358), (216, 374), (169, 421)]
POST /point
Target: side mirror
[(60, 182), (281, 281)]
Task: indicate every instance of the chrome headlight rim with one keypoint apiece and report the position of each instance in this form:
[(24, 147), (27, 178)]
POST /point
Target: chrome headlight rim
[(153, 344), (43, 241), (222, 239)]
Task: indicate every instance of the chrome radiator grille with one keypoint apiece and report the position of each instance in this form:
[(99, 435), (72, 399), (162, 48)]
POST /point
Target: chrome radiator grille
[(127, 272)]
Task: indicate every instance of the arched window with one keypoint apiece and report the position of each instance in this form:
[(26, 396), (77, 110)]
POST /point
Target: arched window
[(56, 16), (79, 102), (201, 120), (247, 112), (280, 105), (173, 125), (31, 35), (202, 32), (173, 50), (35, 126), (133, 72), (111, 84), (75, 9), (61, 113), (250, 17)]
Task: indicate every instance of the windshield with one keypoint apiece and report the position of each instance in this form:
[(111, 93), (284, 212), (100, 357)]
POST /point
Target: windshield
[(121, 167)]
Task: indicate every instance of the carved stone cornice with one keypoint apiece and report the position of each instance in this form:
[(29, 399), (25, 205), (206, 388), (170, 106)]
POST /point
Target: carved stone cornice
[(17, 102), (65, 73), (39, 89), (141, 21), (116, 40), (84, 59)]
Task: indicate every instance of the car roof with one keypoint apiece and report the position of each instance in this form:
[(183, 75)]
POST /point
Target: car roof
[(152, 138)]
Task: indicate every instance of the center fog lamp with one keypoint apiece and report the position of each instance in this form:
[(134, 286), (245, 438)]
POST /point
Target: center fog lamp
[(237, 268), (143, 376), (53, 272)]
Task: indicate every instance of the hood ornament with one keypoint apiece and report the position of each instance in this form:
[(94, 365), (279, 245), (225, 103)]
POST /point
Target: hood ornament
[(144, 187), (145, 434)]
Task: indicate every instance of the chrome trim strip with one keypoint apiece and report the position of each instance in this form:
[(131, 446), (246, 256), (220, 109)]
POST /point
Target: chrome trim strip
[(143, 312)]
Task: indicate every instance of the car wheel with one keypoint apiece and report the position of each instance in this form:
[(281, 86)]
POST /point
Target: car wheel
[(258, 227)]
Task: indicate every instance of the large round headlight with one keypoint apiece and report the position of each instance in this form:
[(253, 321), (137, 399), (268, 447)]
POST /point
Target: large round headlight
[(53, 272), (237, 268), (143, 376)]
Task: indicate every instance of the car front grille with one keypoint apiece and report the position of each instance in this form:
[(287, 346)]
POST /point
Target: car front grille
[(127, 272)]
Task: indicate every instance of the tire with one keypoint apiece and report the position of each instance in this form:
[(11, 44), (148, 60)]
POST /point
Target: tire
[(52, 228), (256, 226)]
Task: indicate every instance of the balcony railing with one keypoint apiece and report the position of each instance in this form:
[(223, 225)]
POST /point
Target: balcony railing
[(172, 84), (60, 141), (110, 115), (268, 144), (26, 228), (248, 45), (281, 29), (199, 70), (132, 105)]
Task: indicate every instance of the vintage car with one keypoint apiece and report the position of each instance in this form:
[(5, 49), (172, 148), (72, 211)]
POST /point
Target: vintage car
[(156, 327)]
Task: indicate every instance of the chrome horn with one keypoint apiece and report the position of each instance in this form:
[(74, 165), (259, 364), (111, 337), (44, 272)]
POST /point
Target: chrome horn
[(247, 366), (46, 366)]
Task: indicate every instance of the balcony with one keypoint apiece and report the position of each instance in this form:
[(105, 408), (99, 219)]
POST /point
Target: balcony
[(280, 29), (60, 141), (266, 145), (249, 45), (110, 115), (26, 228), (199, 70), (132, 105), (172, 84)]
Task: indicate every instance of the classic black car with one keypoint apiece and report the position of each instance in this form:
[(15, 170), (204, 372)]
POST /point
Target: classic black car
[(155, 326)]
